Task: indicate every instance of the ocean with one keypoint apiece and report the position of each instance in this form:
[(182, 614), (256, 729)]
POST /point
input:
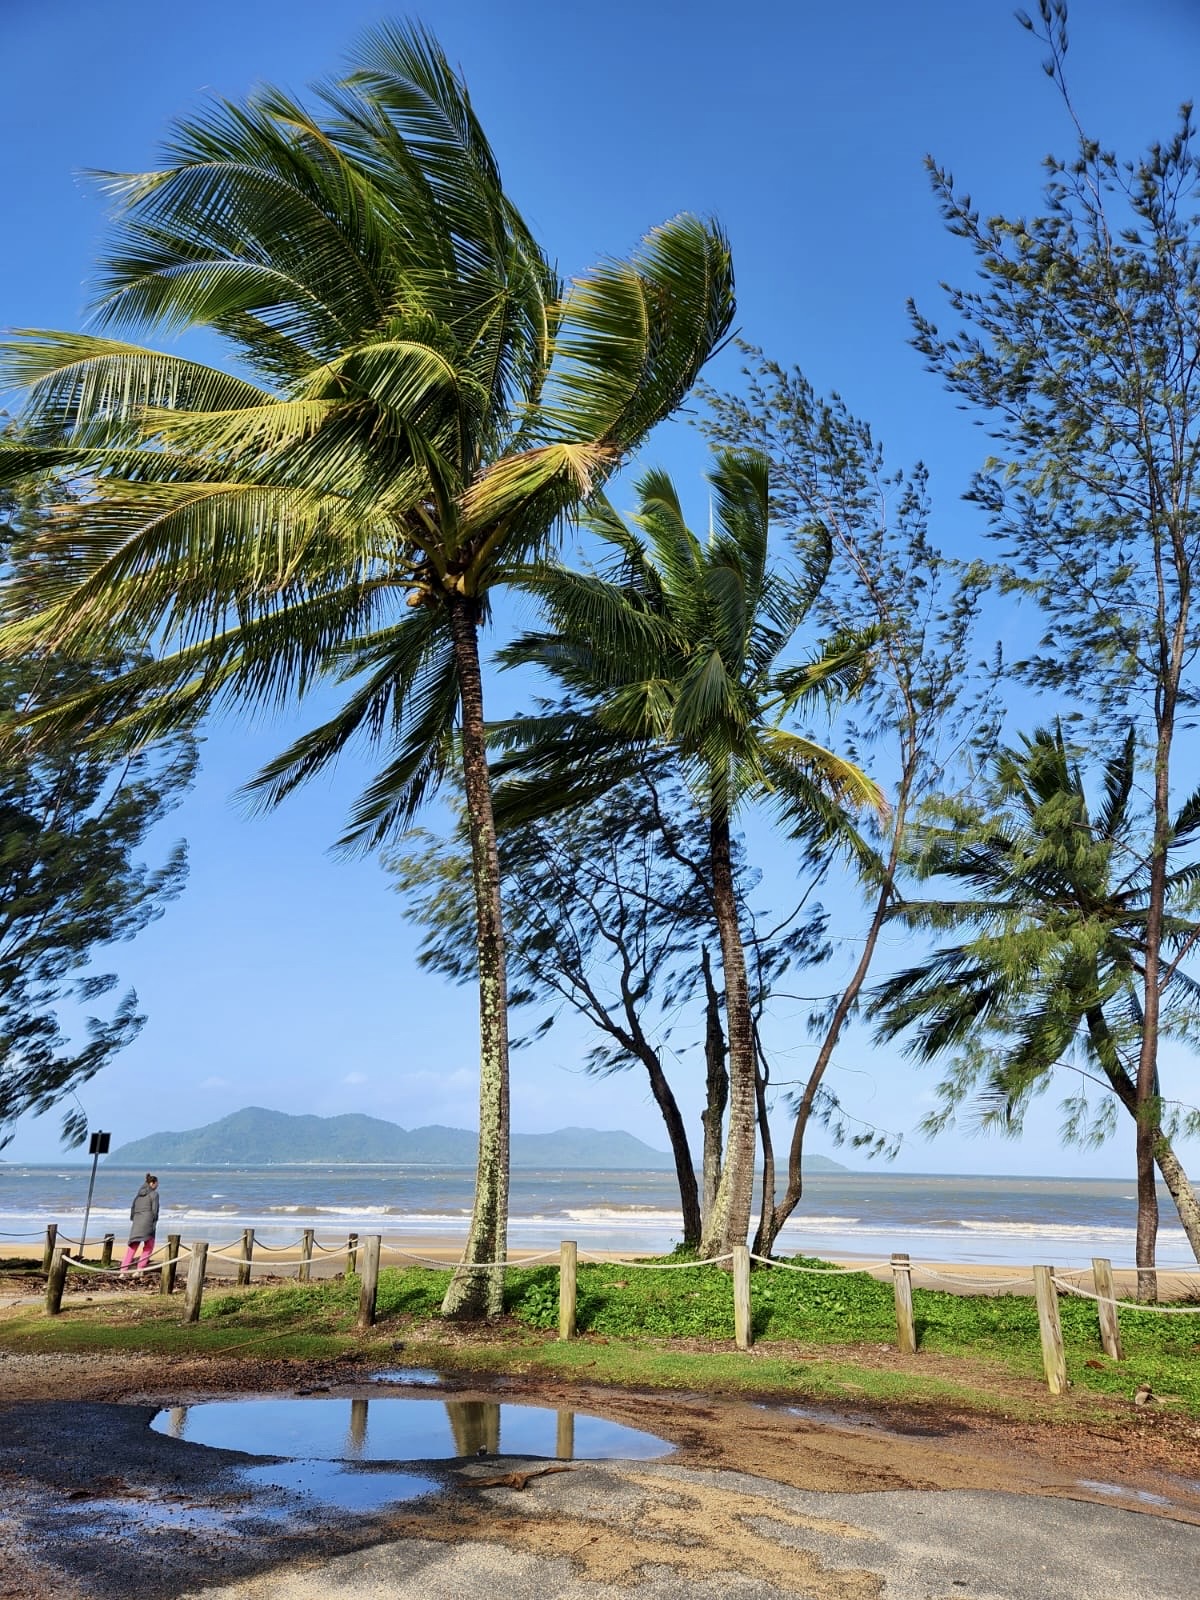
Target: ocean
[(1062, 1221)]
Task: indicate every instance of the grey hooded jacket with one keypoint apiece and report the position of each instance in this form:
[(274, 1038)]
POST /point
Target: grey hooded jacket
[(143, 1214)]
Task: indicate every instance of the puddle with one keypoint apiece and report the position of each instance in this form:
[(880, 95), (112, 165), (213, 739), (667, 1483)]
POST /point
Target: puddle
[(334, 1484), (1141, 1496), (128, 1516), (410, 1375), (829, 1419), (395, 1428)]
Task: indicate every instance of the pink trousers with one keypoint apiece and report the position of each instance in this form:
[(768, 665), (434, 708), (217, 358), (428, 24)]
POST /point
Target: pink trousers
[(147, 1251)]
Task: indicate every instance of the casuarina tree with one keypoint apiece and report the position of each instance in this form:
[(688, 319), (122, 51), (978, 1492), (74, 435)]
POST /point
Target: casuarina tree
[(1079, 346), (72, 822), (413, 402)]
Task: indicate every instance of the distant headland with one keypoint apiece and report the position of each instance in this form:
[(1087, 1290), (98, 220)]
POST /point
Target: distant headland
[(255, 1137)]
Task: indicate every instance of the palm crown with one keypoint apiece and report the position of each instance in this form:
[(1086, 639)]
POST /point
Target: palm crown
[(415, 403), (676, 646)]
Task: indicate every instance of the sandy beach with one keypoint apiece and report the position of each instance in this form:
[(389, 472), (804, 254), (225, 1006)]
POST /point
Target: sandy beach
[(438, 1250)]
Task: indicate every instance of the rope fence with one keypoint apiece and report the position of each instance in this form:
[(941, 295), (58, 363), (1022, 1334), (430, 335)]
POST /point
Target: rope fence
[(364, 1256)]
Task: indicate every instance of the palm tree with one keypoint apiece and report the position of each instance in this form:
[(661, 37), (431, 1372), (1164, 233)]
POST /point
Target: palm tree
[(412, 405), (676, 650), (1053, 961)]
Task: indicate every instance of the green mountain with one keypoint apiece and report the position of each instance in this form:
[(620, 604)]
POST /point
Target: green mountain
[(258, 1138)]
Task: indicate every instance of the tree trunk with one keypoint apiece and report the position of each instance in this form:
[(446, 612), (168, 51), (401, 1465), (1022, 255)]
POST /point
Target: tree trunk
[(1176, 1179), (477, 1291), (685, 1172), (1180, 1189), (729, 1221), (767, 1207), (717, 1089), (773, 1225)]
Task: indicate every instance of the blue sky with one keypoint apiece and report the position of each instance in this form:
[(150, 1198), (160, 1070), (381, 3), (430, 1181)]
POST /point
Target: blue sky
[(285, 978)]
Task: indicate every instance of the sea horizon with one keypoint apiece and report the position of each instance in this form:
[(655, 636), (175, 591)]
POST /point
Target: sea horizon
[(948, 1217)]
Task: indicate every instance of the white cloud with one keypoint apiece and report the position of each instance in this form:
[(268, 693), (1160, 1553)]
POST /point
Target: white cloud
[(215, 1083), (355, 1077)]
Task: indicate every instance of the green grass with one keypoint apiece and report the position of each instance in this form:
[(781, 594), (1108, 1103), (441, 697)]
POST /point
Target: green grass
[(632, 1322)]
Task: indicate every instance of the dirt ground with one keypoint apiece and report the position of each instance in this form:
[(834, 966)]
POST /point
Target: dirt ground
[(931, 1446), (73, 1431)]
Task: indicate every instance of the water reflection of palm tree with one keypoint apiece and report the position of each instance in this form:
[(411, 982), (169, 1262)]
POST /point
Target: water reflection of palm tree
[(475, 1425)]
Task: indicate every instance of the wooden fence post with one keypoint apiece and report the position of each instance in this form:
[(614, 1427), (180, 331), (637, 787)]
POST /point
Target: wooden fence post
[(1053, 1357), (352, 1254), (56, 1281), (906, 1328), (306, 1249), (370, 1282), (195, 1282), (568, 1265), (246, 1257), (106, 1250), (1106, 1310), (51, 1241), (166, 1282), (743, 1333)]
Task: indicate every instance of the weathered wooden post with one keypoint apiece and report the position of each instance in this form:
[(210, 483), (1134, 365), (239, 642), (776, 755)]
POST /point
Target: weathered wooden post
[(195, 1281), (352, 1254), (51, 1241), (1106, 1309), (306, 1249), (370, 1282), (568, 1269), (743, 1333), (906, 1328), (106, 1250), (1053, 1356), (166, 1281), (246, 1258), (56, 1281)]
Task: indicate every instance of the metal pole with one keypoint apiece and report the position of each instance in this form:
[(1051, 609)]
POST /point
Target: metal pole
[(97, 1147), (87, 1210)]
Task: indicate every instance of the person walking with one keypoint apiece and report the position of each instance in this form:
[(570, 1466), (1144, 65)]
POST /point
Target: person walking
[(143, 1220)]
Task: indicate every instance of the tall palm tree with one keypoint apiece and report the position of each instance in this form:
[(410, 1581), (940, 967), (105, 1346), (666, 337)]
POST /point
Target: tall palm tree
[(413, 403), (676, 649), (1053, 959)]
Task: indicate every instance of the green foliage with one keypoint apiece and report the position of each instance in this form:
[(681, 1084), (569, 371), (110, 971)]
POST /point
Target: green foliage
[(72, 818), (807, 1329), (1054, 916), (677, 644), (426, 399)]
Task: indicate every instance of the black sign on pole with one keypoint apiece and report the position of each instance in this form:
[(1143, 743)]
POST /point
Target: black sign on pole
[(97, 1147)]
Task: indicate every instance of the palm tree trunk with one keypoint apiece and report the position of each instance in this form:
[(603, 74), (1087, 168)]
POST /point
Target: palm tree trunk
[(716, 1089), (476, 1291), (1180, 1189), (729, 1221)]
